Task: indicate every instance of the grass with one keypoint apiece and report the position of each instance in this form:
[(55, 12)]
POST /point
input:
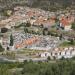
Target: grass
[(28, 52), (67, 43), (25, 51)]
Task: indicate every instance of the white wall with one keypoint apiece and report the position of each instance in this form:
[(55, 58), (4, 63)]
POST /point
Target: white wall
[(66, 28)]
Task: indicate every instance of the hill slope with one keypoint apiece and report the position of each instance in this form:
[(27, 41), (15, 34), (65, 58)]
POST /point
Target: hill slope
[(45, 4)]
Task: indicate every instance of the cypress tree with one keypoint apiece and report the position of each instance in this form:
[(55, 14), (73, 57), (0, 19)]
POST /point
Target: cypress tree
[(11, 40)]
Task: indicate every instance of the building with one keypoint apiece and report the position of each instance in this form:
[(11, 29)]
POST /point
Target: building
[(64, 23), (45, 54)]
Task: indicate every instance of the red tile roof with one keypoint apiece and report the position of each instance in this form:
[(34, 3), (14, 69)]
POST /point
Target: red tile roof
[(66, 21), (27, 42)]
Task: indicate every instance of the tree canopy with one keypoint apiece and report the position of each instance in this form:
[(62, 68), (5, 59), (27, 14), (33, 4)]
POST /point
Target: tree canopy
[(61, 67)]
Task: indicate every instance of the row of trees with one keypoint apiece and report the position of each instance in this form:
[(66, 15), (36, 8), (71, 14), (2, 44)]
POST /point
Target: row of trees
[(5, 67), (61, 67)]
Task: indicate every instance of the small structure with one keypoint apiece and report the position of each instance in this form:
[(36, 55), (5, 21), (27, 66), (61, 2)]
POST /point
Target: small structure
[(45, 54)]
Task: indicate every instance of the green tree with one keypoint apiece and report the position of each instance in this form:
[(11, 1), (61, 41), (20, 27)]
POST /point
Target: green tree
[(73, 26), (45, 31), (11, 40), (28, 24), (1, 48), (48, 58), (60, 37), (71, 41), (25, 30)]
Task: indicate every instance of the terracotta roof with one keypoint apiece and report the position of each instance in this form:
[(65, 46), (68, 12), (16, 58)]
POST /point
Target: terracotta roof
[(65, 22), (27, 42), (30, 13), (45, 22)]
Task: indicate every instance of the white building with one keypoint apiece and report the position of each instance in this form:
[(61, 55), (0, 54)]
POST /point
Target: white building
[(45, 54)]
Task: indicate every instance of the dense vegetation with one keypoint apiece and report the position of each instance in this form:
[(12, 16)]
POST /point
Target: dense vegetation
[(73, 26), (4, 30), (70, 42), (61, 67), (53, 4), (5, 67), (1, 48), (45, 4)]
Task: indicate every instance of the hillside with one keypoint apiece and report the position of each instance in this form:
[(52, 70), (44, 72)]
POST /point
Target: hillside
[(44, 4), (53, 4)]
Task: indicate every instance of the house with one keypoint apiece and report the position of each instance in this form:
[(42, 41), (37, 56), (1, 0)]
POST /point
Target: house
[(68, 54), (44, 22), (32, 21), (48, 23), (8, 26), (45, 54), (64, 52), (73, 53), (12, 48), (18, 8), (5, 41), (66, 22)]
